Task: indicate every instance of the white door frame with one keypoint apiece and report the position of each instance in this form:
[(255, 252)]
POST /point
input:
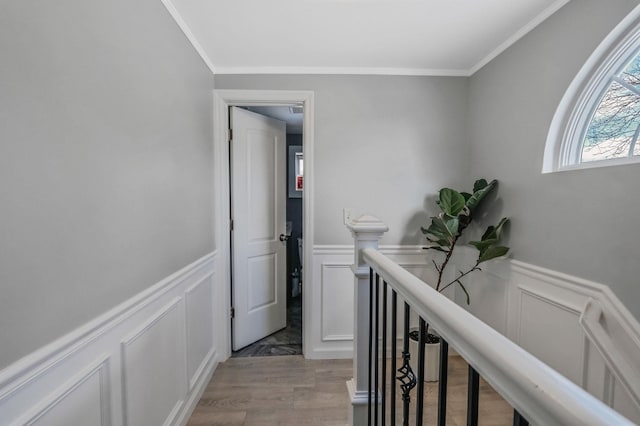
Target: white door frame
[(222, 100)]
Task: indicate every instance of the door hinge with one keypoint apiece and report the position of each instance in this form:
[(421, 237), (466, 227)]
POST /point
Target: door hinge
[(230, 135), (233, 312), (231, 224)]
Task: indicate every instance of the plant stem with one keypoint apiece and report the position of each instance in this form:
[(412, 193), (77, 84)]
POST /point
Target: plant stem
[(446, 261), (462, 274)]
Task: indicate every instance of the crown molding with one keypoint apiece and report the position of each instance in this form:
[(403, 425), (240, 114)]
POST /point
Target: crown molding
[(420, 72), (189, 34), (344, 71), (553, 8)]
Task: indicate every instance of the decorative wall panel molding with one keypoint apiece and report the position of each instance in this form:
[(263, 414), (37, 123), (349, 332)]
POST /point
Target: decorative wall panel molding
[(154, 354), (579, 328), (83, 400), (544, 311), (200, 329), (158, 348), (331, 316)]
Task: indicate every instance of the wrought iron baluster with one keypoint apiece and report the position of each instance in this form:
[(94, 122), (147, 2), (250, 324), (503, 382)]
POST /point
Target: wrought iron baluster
[(518, 420), (369, 375), (376, 343), (394, 337), (384, 352), (472, 397), (442, 384), (406, 378), (420, 396)]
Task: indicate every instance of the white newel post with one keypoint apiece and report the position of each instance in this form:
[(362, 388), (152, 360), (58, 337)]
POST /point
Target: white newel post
[(367, 232)]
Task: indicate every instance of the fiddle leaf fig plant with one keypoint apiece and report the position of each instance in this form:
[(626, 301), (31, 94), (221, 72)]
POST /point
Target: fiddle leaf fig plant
[(447, 227)]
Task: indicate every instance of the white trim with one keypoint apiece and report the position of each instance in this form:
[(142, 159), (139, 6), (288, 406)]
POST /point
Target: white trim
[(559, 279), (222, 99), (99, 367), (592, 302), (39, 362), (324, 337), (576, 107), (402, 71), (189, 34), (546, 13), (32, 385), (619, 364), (131, 338), (600, 292), (536, 294), (207, 280), (201, 386), (345, 71)]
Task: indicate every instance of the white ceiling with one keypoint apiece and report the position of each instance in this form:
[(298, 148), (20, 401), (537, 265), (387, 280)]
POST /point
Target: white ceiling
[(404, 37)]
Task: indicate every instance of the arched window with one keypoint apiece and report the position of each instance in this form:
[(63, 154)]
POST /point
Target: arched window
[(598, 120)]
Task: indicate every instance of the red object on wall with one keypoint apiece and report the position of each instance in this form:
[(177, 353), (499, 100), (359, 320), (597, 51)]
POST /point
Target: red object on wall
[(299, 183)]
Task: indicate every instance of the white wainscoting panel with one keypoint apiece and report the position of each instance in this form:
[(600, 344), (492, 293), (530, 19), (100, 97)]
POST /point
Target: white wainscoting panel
[(543, 311), (579, 328), (544, 323), (199, 321), (153, 357), (337, 302), (145, 362), (333, 292), (83, 400)]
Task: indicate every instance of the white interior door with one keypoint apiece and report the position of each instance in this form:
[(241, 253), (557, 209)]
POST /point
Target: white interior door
[(258, 210)]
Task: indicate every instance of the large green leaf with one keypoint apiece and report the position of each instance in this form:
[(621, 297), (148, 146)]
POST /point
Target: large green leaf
[(483, 245), (451, 201), (479, 184), (443, 228), (478, 195), (493, 232), (436, 229), (439, 241), (452, 224), (492, 253)]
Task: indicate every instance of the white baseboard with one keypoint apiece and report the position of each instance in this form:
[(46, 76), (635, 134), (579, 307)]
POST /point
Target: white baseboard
[(101, 372)]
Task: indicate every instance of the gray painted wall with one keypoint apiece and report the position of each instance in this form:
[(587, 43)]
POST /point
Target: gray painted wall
[(105, 161), (382, 145), (582, 222)]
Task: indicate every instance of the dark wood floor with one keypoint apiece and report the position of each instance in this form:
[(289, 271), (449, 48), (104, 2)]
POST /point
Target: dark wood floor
[(291, 390)]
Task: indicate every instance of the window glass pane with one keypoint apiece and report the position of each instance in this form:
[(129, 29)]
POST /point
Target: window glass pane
[(631, 74), (613, 126)]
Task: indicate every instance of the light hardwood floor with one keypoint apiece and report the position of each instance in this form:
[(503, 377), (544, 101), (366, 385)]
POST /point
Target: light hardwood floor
[(290, 390)]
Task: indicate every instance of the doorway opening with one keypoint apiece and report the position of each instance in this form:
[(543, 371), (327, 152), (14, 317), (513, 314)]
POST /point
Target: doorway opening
[(287, 340), (223, 99)]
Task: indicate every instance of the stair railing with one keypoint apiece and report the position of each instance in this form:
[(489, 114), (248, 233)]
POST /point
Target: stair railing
[(537, 393)]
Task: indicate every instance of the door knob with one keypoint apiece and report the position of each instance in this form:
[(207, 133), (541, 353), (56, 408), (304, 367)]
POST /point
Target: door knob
[(284, 237)]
